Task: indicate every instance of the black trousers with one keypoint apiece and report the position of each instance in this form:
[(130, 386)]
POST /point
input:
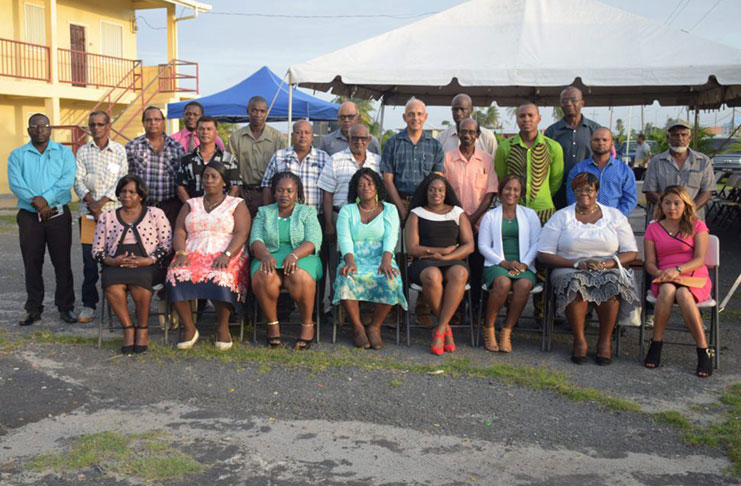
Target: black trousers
[(35, 237)]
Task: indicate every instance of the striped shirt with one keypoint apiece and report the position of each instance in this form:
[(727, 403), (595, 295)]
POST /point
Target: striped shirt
[(159, 171), (335, 177), (98, 173), (308, 170)]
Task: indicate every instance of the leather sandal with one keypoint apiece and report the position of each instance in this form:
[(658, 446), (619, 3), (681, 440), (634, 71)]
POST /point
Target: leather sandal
[(301, 343), (505, 340), (490, 339), (138, 349), (273, 341)]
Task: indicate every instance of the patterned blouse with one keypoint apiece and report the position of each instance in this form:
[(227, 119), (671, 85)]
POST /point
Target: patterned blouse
[(151, 230)]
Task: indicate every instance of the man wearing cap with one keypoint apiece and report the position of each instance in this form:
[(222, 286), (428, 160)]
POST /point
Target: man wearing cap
[(680, 165)]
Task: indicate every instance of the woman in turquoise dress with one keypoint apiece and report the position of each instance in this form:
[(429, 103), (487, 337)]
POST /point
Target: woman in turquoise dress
[(508, 240), (367, 232), (285, 240)]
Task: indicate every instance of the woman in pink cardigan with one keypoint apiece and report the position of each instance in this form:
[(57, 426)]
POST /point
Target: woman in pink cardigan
[(133, 245)]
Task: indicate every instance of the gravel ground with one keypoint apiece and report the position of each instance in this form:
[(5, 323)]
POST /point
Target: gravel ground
[(349, 426)]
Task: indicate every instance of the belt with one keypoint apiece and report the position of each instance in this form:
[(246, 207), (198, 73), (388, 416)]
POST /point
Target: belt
[(254, 187)]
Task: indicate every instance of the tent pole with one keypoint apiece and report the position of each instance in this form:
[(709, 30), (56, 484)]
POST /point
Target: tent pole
[(383, 113), (627, 140), (696, 129), (290, 106)]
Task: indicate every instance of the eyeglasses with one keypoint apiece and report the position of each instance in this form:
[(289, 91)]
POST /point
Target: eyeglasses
[(359, 139), (94, 125), (39, 127), (346, 117), (566, 101), (584, 190)]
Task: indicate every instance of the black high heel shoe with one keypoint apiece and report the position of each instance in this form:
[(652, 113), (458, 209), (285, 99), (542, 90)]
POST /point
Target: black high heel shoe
[(128, 349), (138, 349), (653, 356), (705, 362)]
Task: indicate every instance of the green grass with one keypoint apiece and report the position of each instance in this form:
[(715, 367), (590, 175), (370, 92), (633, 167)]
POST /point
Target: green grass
[(148, 457), (673, 418), (726, 435)]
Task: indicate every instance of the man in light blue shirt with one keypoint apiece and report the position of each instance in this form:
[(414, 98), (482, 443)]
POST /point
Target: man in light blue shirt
[(41, 174), (617, 183)]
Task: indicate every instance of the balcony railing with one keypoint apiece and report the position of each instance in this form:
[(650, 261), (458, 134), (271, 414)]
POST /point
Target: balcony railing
[(179, 76), (86, 69), (23, 60)]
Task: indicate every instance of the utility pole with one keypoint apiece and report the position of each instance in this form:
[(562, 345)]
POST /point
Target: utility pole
[(611, 118)]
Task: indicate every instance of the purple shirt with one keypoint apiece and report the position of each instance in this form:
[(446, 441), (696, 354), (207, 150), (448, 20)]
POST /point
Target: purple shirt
[(183, 136)]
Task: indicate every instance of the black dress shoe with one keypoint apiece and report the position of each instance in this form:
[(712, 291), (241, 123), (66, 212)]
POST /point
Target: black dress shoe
[(68, 316), (29, 318)]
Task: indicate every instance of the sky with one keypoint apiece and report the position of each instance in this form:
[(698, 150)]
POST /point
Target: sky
[(238, 37)]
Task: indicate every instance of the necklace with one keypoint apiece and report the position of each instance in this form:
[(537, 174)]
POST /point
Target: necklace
[(360, 206), (583, 212), (210, 206)]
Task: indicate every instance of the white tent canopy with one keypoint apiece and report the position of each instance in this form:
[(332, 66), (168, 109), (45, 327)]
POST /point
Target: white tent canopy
[(510, 51)]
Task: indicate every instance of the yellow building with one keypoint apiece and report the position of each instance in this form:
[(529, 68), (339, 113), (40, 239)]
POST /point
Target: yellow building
[(65, 58)]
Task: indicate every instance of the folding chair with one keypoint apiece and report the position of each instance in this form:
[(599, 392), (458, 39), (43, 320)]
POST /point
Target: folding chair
[(712, 261), (537, 289), (317, 310)]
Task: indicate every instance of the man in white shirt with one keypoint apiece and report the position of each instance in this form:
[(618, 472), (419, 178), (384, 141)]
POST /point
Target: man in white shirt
[(100, 164), (462, 108)]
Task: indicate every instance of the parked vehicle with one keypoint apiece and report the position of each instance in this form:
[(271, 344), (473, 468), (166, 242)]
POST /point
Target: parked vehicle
[(725, 153), (629, 156)]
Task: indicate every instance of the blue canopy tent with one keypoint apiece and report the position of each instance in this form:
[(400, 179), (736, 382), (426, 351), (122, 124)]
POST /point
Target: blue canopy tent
[(230, 105)]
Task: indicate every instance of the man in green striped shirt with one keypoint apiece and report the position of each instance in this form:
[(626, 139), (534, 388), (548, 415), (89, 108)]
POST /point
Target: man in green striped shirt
[(536, 159)]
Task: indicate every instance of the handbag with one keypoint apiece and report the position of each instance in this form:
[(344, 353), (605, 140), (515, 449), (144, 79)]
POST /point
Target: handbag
[(629, 313)]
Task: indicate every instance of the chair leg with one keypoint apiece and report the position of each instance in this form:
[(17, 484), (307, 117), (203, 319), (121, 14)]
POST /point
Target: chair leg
[(319, 309), (101, 324), (469, 313), (335, 315), (399, 310), (478, 321), (406, 324)]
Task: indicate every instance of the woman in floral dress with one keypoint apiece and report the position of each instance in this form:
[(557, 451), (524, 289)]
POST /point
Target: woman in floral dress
[(367, 232), (210, 261)]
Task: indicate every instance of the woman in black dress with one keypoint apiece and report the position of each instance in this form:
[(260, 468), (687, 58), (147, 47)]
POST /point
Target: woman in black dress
[(131, 243), (439, 238)]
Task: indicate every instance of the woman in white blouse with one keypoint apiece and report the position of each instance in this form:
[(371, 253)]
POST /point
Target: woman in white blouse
[(582, 242), (508, 241)]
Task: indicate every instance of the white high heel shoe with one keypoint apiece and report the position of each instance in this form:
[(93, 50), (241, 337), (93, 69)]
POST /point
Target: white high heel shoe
[(189, 344)]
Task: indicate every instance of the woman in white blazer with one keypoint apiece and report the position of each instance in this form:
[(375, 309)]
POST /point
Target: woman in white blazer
[(508, 241)]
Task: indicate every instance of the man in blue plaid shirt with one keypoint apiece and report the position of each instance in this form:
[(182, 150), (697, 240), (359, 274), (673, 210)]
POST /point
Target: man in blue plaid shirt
[(155, 157), (303, 160)]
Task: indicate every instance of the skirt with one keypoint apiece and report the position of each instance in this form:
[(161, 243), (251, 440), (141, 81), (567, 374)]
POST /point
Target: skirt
[(593, 286), (494, 271), (418, 266), (145, 277)]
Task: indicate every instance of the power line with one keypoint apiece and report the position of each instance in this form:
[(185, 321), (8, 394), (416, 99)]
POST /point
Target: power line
[(150, 25), (348, 16), (706, 14), (672, 12), (679, 12)]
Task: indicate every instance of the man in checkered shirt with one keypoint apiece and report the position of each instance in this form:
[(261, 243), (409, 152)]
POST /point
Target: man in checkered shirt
[(100, 164), (303, 160), (155, 157)]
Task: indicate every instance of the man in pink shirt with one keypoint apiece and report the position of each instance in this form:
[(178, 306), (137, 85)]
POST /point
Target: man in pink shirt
[(187, 136), (470, 172)]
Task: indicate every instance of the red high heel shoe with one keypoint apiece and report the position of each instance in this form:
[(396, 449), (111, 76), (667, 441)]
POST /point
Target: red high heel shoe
[(438, 350), (449, 348)]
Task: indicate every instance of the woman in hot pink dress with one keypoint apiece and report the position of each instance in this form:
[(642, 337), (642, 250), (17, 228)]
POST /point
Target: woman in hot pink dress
[(675, 244)]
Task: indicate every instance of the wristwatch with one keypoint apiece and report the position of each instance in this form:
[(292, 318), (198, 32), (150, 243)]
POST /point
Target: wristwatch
[(228, 253), (679, 268), (576, 264)]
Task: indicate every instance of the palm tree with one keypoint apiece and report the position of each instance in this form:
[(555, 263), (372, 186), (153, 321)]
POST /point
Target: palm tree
[(365, 108), (557, 113), (488, 118)]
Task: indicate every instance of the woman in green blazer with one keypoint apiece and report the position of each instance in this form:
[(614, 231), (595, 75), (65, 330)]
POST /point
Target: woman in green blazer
[(285, 240)]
